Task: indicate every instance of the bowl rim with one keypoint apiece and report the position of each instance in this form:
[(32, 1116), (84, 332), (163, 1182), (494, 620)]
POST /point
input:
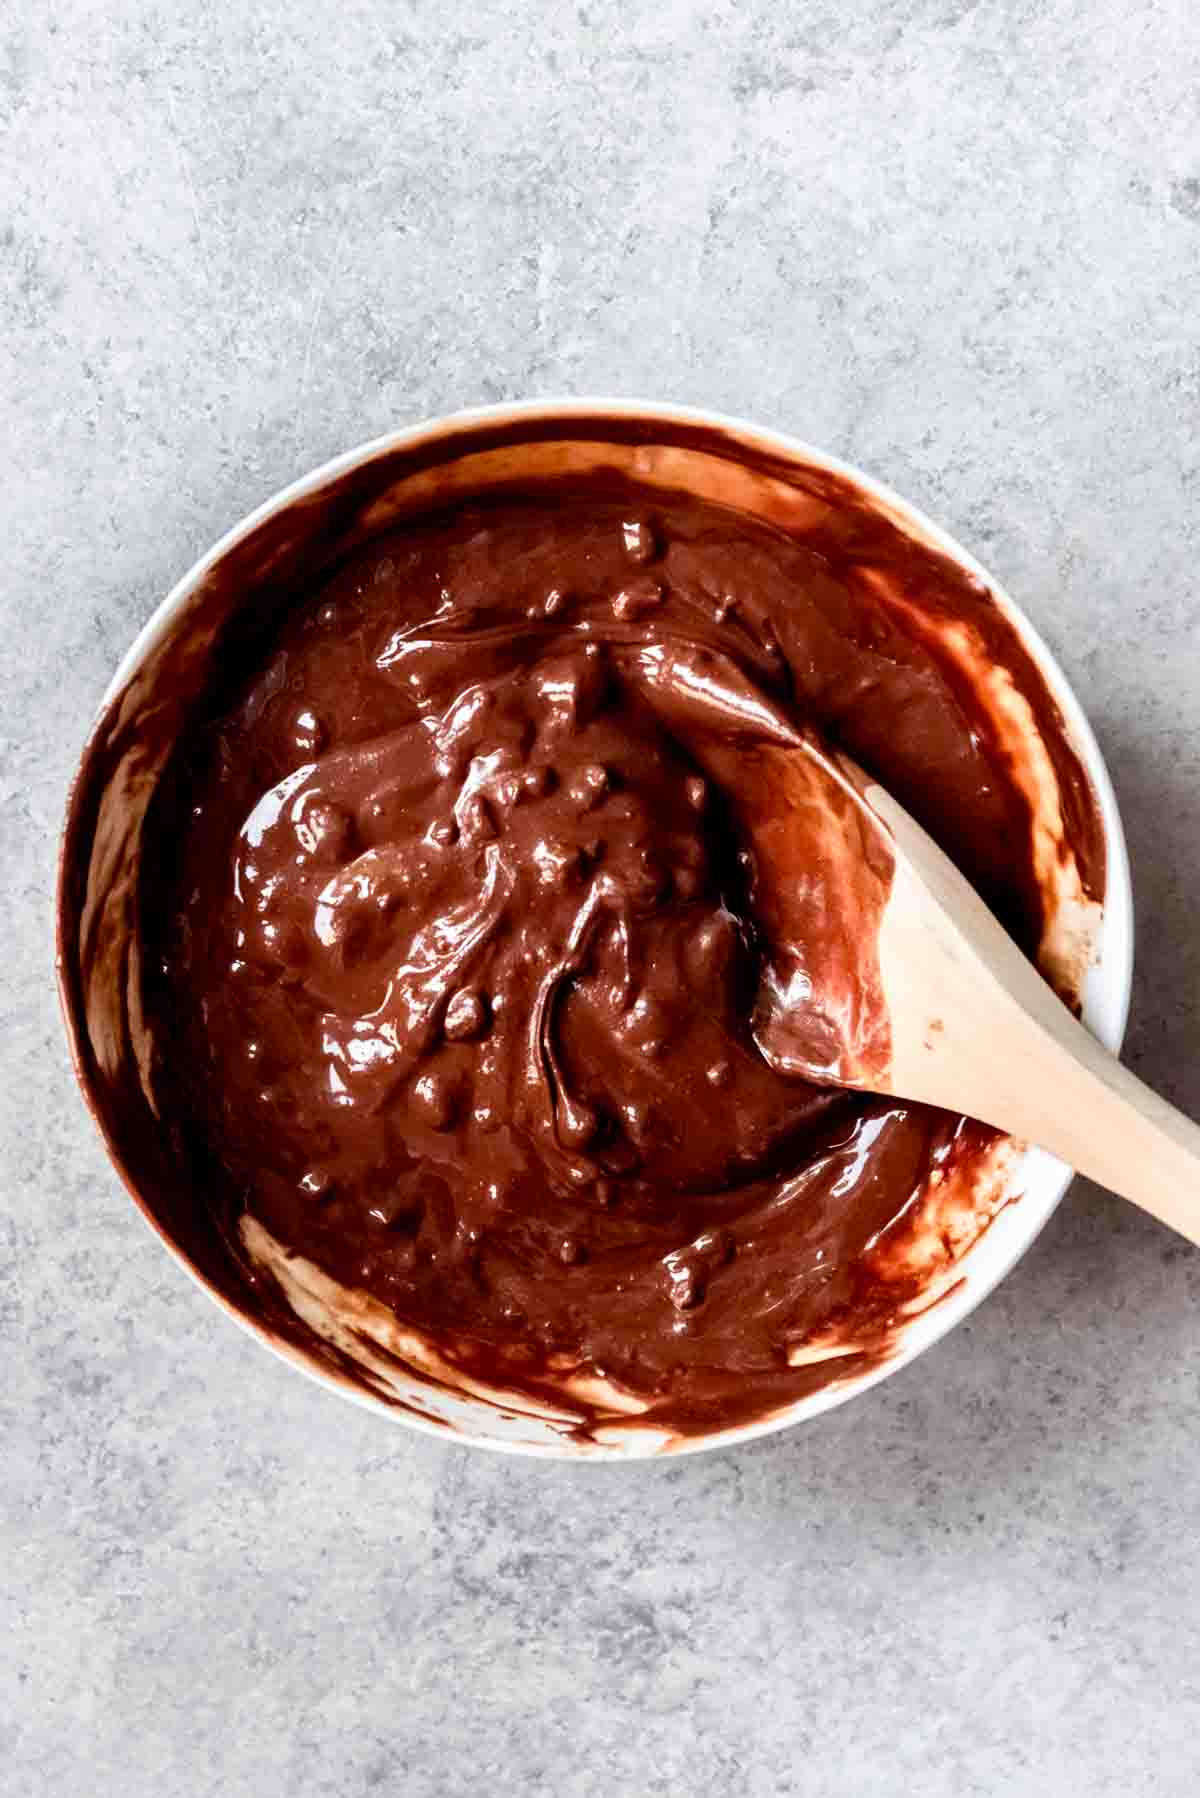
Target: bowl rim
[(1118, 920)]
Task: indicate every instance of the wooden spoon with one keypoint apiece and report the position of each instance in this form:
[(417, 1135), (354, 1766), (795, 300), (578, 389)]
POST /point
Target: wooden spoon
[(886, 971), (975, 1028)]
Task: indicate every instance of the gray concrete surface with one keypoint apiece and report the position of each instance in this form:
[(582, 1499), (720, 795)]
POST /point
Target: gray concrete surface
[(958, 242)]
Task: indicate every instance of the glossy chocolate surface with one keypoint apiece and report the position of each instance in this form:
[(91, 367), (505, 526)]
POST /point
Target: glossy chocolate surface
[(460, 949)]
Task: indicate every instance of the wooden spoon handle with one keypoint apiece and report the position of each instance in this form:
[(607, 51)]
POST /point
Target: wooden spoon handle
[(1137, 1144), (976, 1029), (1067, 1093)]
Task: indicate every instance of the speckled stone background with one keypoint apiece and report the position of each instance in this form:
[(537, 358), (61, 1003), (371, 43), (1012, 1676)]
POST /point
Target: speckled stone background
[(957, 242)]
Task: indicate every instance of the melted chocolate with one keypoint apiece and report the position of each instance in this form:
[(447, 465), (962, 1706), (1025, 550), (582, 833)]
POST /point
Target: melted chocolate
[(458, 951)]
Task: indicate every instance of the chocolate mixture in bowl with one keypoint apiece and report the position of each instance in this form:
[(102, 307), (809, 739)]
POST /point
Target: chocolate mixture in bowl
[(457, 946)]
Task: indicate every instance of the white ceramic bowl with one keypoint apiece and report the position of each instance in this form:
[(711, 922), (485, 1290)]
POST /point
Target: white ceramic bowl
[(345, 501)]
